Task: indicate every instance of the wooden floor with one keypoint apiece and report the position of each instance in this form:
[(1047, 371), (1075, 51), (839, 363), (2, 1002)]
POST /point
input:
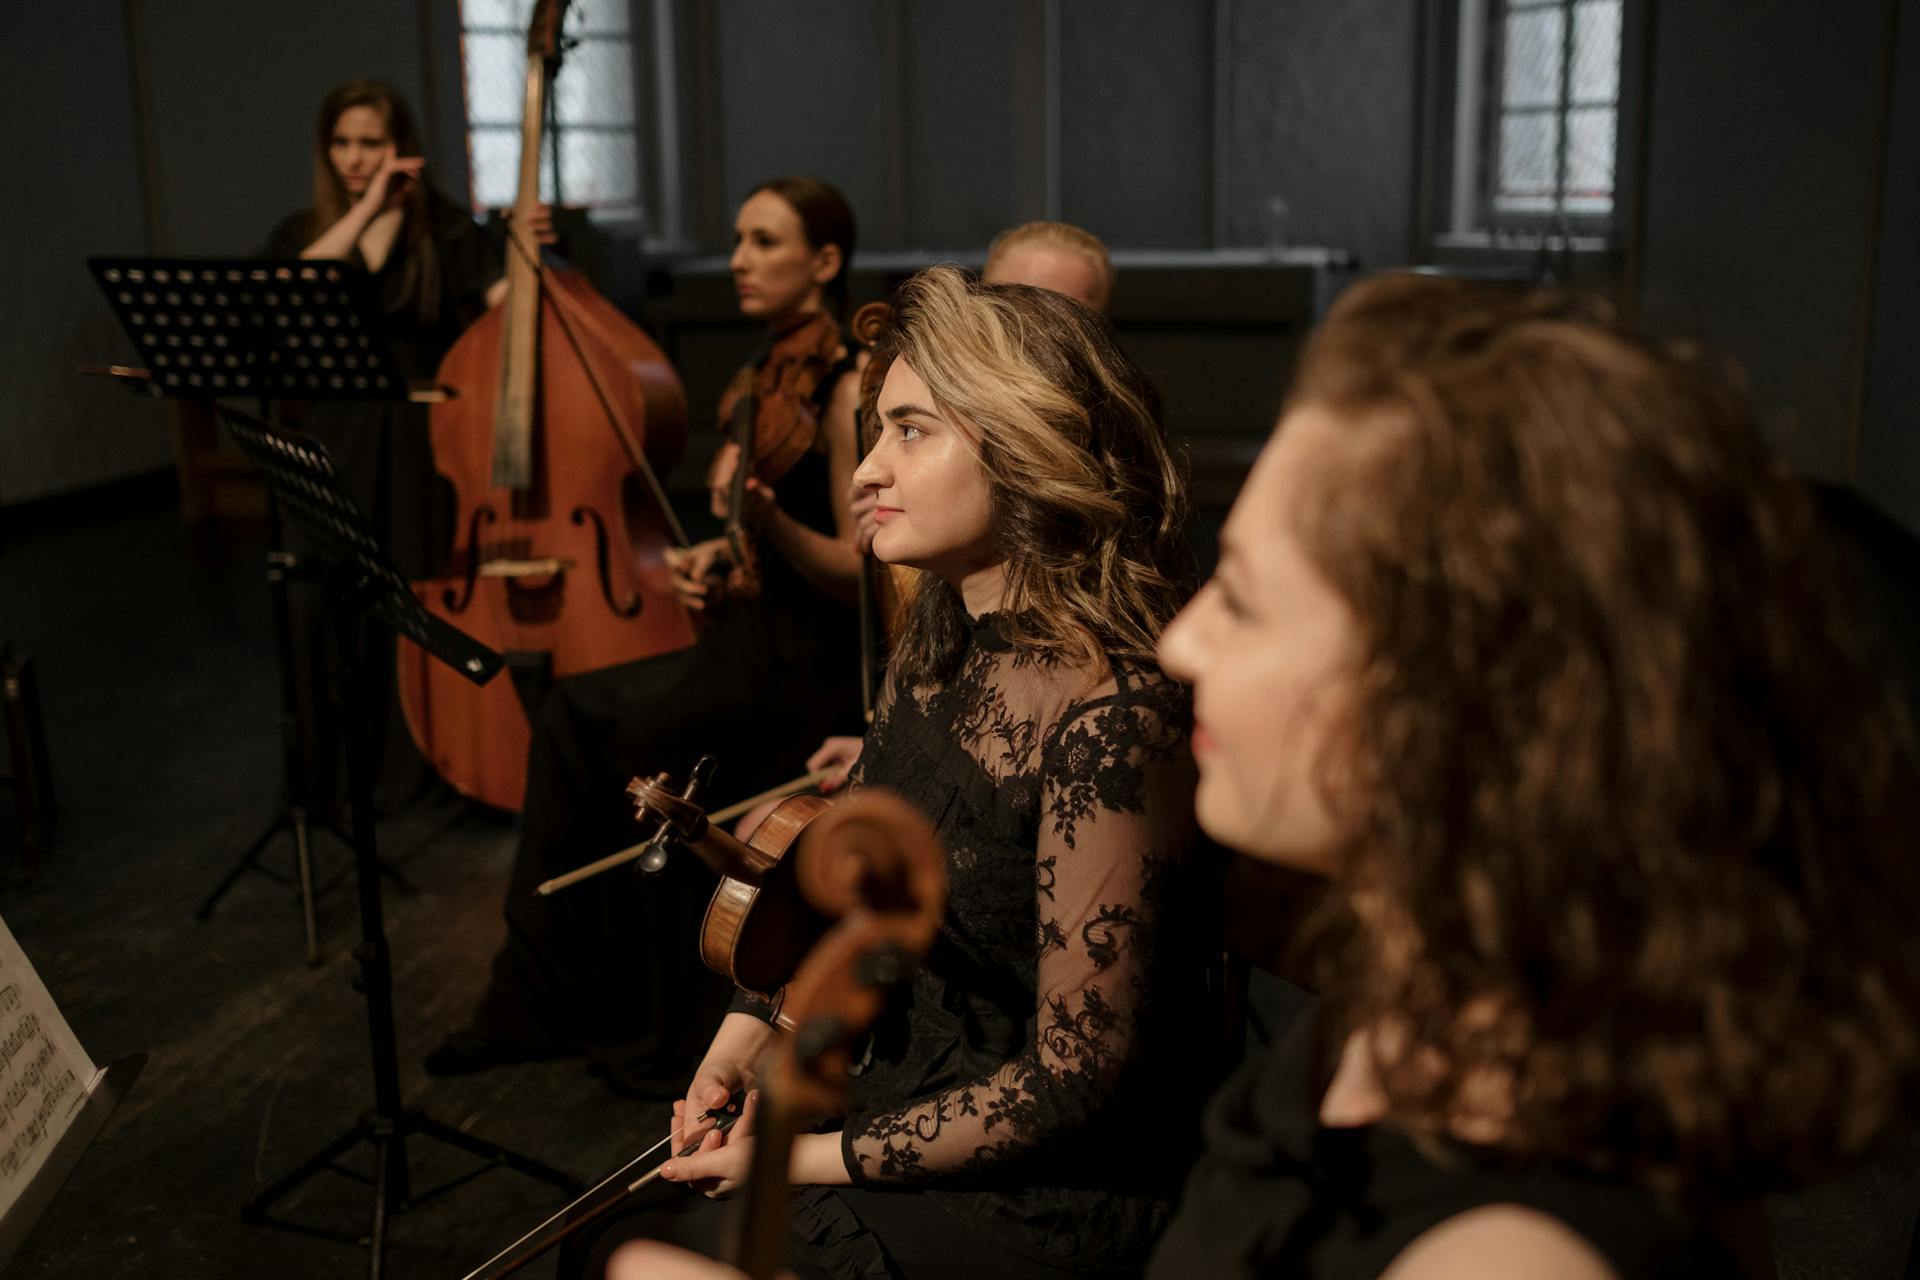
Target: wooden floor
[(158, 684), (158, 680)]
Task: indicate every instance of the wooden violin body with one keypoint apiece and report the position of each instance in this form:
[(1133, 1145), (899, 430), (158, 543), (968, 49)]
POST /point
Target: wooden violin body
[(769, 416), (758, 923)]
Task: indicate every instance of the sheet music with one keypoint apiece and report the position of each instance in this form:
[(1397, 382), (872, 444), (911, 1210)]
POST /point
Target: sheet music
[(44, 1073)]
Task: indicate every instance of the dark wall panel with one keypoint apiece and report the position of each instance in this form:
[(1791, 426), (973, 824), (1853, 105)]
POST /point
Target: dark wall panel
[(1890, 434), (1136, 121), (1322, 117), (960, 121), (235, 90), (73, 189), (797, 88), (1758, 185)]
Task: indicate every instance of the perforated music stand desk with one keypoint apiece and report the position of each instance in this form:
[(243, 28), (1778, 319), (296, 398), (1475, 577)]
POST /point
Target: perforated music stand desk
[(268, 329), (278, 330)]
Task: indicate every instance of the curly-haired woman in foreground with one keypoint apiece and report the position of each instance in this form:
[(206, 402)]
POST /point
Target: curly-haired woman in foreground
[(1523, 639)]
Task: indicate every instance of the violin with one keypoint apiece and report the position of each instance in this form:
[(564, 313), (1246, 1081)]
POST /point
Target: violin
[(768, 414), (872, 869), (758, 923)]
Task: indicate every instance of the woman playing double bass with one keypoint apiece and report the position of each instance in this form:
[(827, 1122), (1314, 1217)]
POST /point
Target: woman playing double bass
[(612, 968), (433, 269)]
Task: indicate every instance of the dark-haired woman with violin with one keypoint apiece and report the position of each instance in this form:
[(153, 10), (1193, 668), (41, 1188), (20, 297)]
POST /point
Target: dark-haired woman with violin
[(612, 966)]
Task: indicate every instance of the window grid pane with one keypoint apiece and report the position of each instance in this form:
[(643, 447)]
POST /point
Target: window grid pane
[(1554, 128), (592, 103)]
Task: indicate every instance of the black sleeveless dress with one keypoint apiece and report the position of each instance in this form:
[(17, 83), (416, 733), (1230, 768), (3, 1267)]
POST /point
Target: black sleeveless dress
[(1277, 1194), (614, 966)]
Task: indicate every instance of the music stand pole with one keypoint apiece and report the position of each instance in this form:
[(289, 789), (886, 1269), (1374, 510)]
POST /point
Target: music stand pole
[(294, 819), (362, 585), (292, 329)]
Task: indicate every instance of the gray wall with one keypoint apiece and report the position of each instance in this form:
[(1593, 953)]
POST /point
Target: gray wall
[(1323, 116), (1890, 427), (1764, 136), (1136, 100), (1156, 124), (181, 127), (73, 189)]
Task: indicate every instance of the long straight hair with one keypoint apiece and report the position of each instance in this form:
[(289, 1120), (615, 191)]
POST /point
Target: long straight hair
[(420, 285)]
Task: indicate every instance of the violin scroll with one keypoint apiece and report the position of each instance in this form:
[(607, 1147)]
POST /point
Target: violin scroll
[(873, 863)]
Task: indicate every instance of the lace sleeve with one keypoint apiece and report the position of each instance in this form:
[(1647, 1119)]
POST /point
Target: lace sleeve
[(1116, 817)]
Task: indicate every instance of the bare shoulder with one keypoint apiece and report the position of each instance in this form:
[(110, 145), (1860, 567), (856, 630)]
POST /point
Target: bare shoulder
[(1501, 1239)]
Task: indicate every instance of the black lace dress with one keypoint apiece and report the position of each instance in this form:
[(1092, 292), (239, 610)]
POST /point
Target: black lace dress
[(1038, 1084)]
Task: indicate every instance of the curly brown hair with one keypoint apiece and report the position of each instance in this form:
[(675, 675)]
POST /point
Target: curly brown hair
[(1088, 503), (1627, 877)]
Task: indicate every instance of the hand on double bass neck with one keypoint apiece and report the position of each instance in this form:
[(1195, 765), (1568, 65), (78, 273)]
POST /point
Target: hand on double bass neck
[(540, 227)]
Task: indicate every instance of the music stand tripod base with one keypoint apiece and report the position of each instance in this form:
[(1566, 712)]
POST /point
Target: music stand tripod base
[(363, 586), (303, 329)]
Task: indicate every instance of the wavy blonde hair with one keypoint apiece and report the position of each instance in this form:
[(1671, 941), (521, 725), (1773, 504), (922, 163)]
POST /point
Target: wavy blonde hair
[(1088, 505)]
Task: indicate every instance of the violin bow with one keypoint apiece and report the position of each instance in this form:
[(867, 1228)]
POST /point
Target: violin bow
[(520, 1252)]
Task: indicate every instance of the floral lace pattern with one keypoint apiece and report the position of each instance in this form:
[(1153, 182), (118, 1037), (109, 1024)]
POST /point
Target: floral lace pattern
[(1041, 1038)]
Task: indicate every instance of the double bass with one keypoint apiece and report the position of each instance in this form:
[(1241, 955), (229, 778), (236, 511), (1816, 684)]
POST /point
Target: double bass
[(564, 415)]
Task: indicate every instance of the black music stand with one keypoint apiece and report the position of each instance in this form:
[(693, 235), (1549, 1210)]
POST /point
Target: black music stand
[(295, 329), (362, 584), (292, 329)]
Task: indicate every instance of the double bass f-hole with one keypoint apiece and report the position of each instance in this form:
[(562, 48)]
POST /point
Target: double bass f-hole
[(482, 515), (628, 606)]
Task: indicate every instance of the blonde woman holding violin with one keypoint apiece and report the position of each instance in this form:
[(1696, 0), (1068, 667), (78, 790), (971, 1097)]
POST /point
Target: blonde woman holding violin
[(1023, 1110)]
